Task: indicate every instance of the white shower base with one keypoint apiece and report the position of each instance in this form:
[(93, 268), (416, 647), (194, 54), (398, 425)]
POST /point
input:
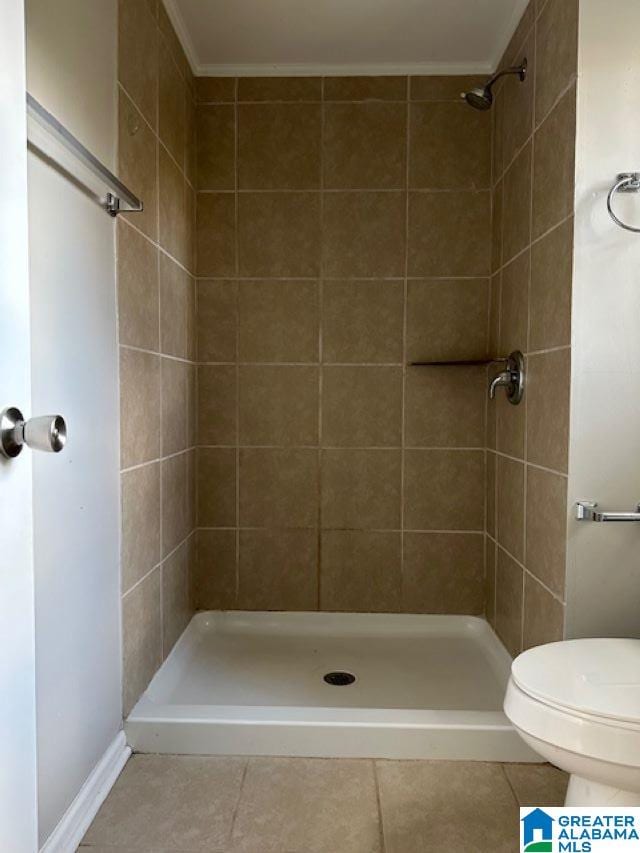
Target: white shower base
[(252, 684)]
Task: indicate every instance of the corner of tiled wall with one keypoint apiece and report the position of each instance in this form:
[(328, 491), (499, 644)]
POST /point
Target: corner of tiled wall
[(533, 206), (156, 323)]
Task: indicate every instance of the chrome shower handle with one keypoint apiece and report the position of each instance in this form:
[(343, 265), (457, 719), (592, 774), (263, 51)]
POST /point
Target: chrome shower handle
[(512, 378), (47, 432), (502, 379)]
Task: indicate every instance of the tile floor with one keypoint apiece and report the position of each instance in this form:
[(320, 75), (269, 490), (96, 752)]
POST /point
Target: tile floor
[(206, 804)]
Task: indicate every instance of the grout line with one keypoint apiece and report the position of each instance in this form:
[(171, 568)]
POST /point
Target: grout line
[(562, 474), (160, 418), (156, 353), (493, 281), (320, 303), (180, 168), (534, 242), (528, 572), (543, 6), (563, 92), (158, 565), (141, 581), (158, 459), (333, 448), (345, 102), (237, 804), (376, 782), (353, 190), (236, 178), (125, 91), (156, 244), (405, 297), (528, 334), (510, 784), (342, 278), (351, 529)]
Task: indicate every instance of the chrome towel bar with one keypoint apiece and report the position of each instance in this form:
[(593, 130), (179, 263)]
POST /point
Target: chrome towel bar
[(588, 511), (57, 146)]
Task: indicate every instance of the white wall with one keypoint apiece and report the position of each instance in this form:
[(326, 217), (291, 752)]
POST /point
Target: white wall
[(603, 572), (71, 70)]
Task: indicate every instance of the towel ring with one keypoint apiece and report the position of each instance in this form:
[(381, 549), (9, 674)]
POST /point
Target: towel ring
[(627, 182)]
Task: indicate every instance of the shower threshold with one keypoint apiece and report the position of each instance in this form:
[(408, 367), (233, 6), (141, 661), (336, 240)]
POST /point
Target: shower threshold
[(241, 683)]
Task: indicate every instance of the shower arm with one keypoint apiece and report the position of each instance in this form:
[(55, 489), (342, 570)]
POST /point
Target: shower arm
[(521, 70)]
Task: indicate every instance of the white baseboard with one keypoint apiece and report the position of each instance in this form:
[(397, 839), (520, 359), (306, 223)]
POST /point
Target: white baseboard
[(77, 819)]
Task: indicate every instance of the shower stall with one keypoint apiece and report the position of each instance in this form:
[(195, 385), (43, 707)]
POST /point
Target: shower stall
[(343, 524)]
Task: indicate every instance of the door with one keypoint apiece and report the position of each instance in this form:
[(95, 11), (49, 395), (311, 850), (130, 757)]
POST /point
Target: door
[(18, 820)]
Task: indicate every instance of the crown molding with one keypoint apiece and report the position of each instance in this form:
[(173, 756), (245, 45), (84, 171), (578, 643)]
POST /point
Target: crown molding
[(304, 69)]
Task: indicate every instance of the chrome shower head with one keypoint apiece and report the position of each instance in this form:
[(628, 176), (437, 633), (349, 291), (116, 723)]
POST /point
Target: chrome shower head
[(481, 98)]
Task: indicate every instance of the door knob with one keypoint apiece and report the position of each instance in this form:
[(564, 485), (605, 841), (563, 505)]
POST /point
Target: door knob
[(48, 433)]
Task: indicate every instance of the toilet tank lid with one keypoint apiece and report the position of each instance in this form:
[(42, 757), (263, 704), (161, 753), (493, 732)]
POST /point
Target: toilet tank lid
[(594, 676)]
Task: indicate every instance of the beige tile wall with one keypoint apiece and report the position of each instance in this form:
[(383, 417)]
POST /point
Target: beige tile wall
[(343, 229), (532, 247), (156, 311)]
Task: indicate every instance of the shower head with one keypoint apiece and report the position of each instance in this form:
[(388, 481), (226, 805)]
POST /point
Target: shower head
[(481, 98)]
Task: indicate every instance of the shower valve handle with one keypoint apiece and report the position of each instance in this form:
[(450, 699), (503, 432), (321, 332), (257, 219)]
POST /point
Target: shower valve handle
[(511, 378)]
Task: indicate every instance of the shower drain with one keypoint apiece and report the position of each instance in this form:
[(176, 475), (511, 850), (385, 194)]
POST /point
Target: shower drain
[(339, 679)]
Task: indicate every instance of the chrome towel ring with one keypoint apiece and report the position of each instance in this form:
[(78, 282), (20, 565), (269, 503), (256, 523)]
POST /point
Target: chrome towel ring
[(627, 182)]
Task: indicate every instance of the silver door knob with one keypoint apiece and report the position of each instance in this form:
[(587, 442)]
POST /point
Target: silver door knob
[(48, 432)]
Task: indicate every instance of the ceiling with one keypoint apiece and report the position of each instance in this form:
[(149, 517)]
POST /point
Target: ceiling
[(280, 37)]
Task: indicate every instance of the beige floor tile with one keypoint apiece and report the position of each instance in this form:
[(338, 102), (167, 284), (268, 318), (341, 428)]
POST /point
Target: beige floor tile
[(180, 804), (460, 807), (537, 784), (173, 803), (307, 806)]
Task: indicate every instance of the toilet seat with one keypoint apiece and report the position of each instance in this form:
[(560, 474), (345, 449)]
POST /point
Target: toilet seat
[(594, 677), (582, 696)]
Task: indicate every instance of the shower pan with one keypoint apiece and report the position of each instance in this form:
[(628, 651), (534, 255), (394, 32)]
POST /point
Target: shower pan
[(331, 685)]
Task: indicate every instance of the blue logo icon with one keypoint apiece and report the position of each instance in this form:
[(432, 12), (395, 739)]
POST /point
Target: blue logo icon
[(537, 832)]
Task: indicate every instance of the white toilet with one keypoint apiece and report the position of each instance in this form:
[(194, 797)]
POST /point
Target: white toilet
[(577, 704)]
